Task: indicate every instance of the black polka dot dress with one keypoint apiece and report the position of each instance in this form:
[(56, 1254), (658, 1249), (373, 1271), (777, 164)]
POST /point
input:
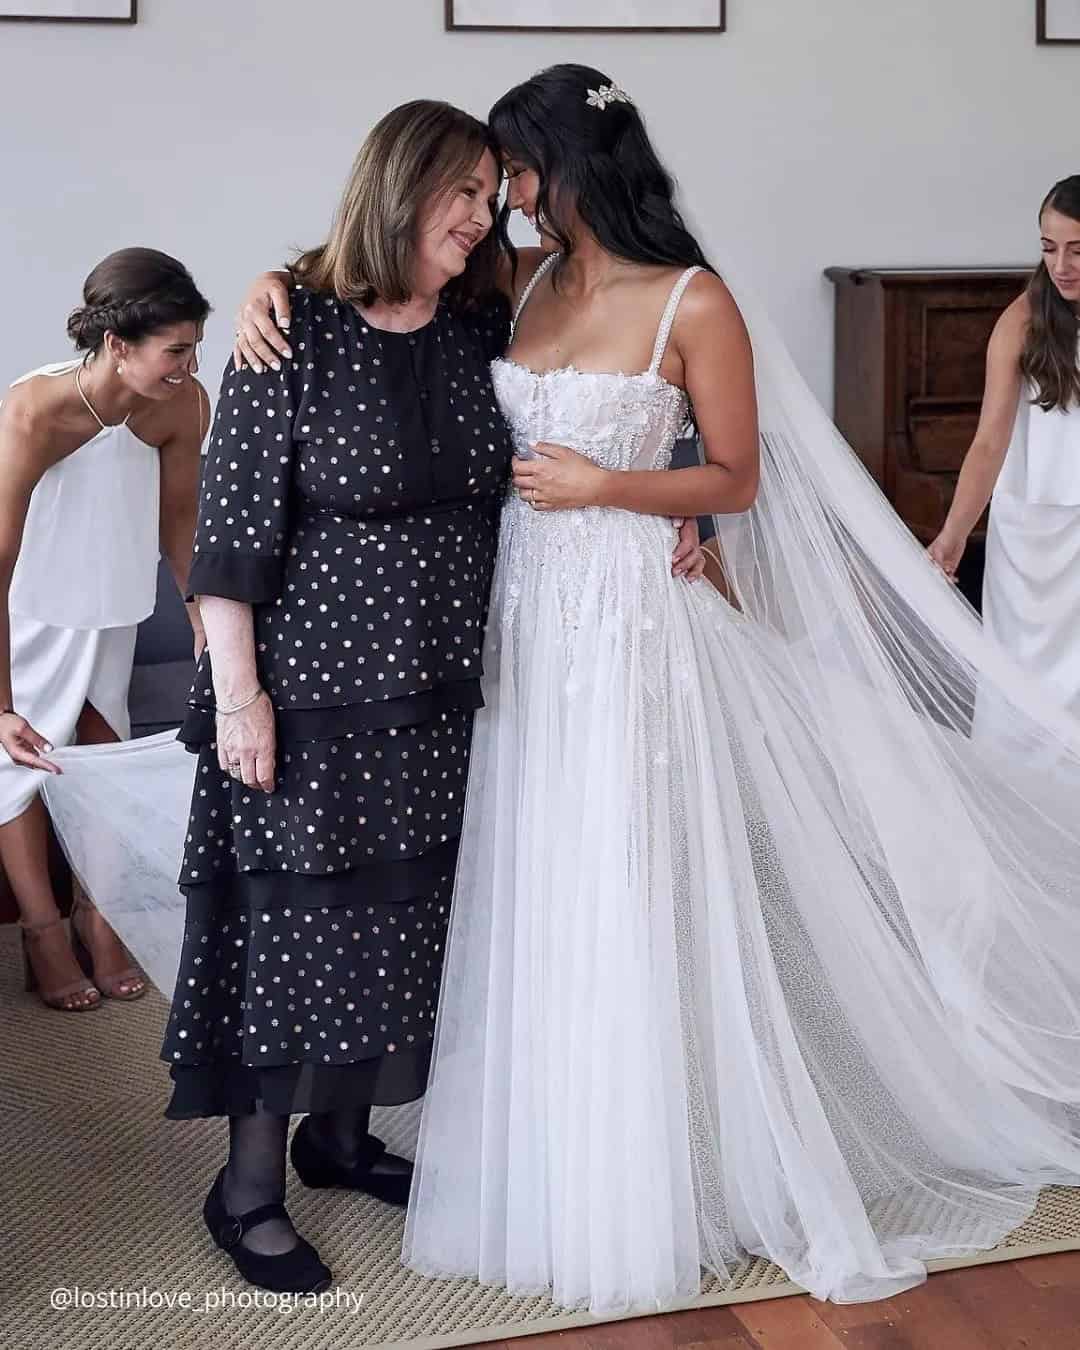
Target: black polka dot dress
[(352, 499)]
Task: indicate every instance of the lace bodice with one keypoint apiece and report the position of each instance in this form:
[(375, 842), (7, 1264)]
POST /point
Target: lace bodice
[(619, 421)]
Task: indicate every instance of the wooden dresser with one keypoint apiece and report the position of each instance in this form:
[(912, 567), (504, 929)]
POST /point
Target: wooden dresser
[(910, 361)]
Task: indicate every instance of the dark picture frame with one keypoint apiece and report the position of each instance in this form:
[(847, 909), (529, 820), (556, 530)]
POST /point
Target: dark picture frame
[(1042, 13), (130, 17), (454, 25)]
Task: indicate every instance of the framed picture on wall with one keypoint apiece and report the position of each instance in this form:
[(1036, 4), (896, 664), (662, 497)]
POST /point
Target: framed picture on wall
[(70, 11), (585, 16), (1057, 20)]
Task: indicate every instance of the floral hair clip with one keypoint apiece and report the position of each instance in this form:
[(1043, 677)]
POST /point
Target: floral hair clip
[(607, 93)]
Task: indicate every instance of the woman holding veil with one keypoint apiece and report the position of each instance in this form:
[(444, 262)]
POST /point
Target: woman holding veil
[(754, 948)]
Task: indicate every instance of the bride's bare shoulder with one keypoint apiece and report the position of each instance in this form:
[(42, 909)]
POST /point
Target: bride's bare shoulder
[(708, 304), (514, 278)]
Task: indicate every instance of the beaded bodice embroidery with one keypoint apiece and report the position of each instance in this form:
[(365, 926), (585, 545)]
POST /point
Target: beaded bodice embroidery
[(619, 421)]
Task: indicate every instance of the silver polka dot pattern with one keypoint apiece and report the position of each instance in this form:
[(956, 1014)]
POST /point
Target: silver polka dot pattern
[(353, 500)]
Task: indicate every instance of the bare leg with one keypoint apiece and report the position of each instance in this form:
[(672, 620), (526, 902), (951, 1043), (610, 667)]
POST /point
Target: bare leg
[(106, 950), (24, 853)]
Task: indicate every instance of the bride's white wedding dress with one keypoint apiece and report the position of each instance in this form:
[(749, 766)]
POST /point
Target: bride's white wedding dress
[(756, 945), (693, 997)]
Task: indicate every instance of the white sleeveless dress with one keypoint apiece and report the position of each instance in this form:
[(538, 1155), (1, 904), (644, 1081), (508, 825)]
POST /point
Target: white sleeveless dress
[(1031, 586), (85, 578), (681, 1020)]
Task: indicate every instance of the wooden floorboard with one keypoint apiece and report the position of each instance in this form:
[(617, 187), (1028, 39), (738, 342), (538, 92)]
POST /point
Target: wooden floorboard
[(1011, 1305)]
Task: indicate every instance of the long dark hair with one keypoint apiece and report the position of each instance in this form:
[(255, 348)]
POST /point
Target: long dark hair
[(416, 152), (597, 159), (1049, 356), (133, 293)]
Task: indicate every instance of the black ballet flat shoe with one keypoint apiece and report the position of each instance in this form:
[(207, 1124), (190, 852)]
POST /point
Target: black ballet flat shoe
[(378, 1173), (298, 1271)]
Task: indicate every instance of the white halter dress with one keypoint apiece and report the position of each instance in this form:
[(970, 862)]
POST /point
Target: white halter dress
[(84, 580), (1031, 587)]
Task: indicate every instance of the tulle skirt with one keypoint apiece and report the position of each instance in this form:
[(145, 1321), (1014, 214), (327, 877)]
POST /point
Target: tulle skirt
[(727, 973)]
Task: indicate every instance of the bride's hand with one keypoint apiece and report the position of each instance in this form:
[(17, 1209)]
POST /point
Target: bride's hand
[(259, 341), (688, 560), (558, 478)]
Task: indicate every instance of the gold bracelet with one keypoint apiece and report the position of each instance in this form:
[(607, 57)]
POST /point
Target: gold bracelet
[(239, 707)]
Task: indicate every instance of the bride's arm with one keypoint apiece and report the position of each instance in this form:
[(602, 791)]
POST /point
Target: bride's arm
[(264, 311), (711, 340), (260, 341)]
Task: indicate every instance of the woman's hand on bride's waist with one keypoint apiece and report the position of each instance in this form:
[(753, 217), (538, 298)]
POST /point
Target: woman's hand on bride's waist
[(688, 560)]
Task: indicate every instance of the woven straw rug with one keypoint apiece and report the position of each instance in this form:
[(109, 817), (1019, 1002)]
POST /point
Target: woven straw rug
[(102, 1197)]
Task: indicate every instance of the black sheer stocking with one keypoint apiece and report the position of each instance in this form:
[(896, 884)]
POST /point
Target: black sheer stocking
[(255, 1175), (342, 1133)]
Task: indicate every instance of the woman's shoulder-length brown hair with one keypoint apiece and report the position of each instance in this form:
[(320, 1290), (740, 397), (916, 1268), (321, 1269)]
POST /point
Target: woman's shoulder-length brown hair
[(415, 153)]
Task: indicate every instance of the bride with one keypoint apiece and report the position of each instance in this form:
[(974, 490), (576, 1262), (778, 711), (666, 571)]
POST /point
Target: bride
[(755, 947), (751, 949)]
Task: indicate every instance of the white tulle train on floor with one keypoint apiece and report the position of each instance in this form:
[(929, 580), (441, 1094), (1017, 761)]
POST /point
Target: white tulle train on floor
[(747, 981)]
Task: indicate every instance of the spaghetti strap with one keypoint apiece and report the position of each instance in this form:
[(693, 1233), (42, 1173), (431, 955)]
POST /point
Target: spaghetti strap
[(668, 317), (540, 271)]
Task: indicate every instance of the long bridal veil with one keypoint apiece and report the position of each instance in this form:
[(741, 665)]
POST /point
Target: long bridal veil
[(902, 952), (959, 774)]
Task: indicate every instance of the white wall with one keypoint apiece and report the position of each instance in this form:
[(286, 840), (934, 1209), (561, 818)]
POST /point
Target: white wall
[(813, 132)]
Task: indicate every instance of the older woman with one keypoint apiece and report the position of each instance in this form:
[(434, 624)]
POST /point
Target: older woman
[(343, 558)]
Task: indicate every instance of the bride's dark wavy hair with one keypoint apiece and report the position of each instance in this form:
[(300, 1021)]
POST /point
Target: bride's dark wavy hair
[(1049, 356), (598, 160)]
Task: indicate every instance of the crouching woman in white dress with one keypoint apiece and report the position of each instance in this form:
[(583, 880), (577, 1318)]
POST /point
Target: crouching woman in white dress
[(1025, 461), (99, 470)]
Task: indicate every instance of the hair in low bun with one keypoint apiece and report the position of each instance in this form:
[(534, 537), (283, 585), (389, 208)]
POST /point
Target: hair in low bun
[(132, 293)]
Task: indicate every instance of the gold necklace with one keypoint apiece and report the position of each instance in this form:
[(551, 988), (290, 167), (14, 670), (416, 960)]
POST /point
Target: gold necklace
[(90, 407)]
